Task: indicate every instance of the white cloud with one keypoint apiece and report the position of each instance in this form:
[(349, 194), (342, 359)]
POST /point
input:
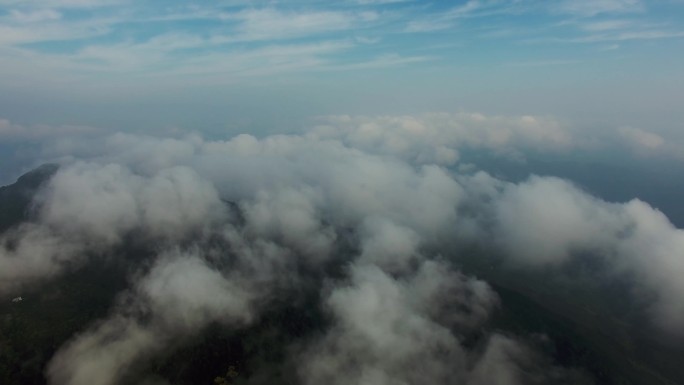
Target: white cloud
[(103, 203), (428, 25), (436, 138), (180, 295), (549, 222), (383, 337), (597, 7), (368, 190), (379, 2), (269, 24), (641, 139), (646, 143), (631, 35), (40, 15), (606, 25), (546, 220), (62, 3)]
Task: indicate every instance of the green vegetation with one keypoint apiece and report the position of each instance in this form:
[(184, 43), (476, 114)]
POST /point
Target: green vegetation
[(229, 378), (15, 200)]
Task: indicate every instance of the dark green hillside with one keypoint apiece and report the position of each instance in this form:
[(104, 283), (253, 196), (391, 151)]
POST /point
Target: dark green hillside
[(591, 323), (33, 329), (15, 199)]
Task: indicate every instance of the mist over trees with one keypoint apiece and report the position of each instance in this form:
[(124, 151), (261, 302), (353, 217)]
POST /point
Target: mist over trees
[(311, 259)]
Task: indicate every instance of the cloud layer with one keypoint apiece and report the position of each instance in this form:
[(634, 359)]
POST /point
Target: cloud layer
[(230, 225)]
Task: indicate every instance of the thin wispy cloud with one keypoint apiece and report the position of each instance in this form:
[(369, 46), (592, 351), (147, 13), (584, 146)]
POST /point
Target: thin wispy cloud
[(125, 36), (40, 15), (597, 7), (65, 4), (543, 63)]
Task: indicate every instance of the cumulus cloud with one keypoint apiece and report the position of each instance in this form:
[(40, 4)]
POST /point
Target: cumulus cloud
[(102, 203), (648, 143), (641, 139), (547, 221), (436, 138), (653, 247), (385, 333), (406, 331), (89, 208), (291, 218), (381, 339), (230, 224), (179, 296), (30, 253)]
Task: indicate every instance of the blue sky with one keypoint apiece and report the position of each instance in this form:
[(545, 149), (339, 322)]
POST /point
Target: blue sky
[(266, 65)]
